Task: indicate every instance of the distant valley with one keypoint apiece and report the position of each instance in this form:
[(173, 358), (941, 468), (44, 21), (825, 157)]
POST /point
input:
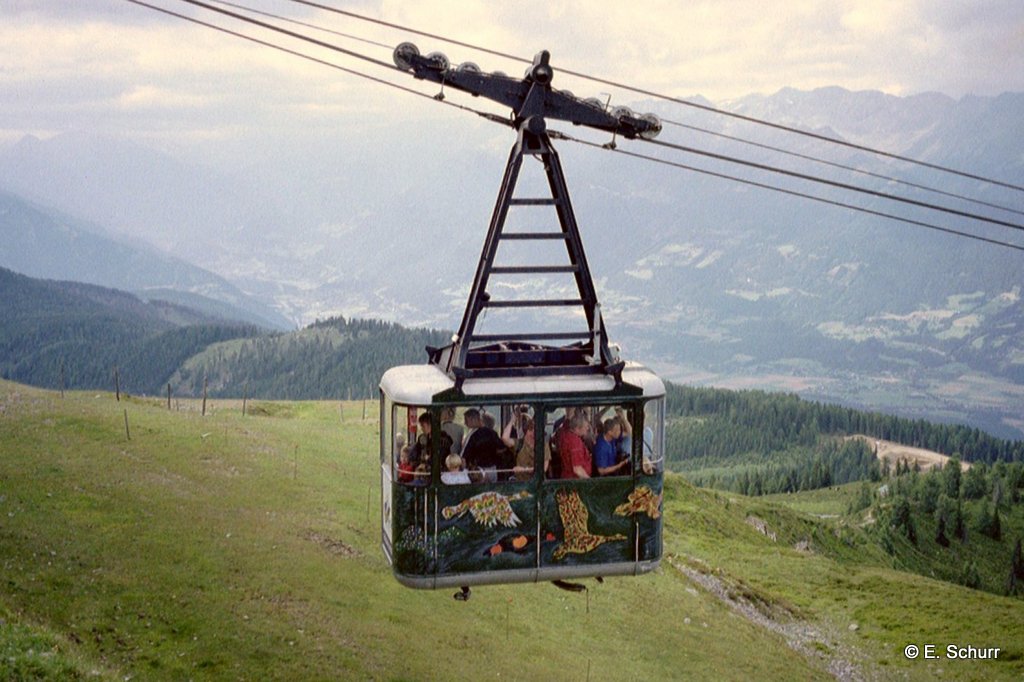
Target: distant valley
[(708, 281), (81, 336)]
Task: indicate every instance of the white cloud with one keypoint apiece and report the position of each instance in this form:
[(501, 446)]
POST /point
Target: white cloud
[(113, 65)]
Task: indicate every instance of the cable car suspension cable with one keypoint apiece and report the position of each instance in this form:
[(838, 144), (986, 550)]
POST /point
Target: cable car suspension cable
[(270, 15), (834, 183), (287, 32), (499, 119), (681, 148), (852, 169), (831, 202), (669, 98), (322, 62), (670, 122)]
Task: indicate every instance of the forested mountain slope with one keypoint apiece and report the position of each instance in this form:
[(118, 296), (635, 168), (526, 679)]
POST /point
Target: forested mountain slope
[(74, 335)]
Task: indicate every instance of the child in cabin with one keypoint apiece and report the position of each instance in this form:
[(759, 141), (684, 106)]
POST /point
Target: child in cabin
[(406, 472), (421, 475), (455, 475)]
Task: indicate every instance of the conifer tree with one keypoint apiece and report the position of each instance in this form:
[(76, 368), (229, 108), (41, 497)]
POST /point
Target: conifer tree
[(959, 526), (903, 519), (951, 477), (940, 532), (1015, 582)]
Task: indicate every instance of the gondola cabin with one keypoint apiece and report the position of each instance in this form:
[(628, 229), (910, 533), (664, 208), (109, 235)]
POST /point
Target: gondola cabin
[(511, 457), (480, 485)]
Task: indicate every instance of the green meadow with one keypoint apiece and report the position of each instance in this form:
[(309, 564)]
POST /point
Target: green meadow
[(248, 548)]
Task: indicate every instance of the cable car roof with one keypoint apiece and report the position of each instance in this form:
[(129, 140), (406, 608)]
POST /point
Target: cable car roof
[(418, 384)]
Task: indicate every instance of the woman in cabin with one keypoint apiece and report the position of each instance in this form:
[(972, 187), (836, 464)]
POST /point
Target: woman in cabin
[(525, 459)]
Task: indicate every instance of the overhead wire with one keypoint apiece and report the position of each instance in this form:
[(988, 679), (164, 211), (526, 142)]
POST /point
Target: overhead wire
[(833, 164), (669, 98), (681, 148), (499, 119), (834, 183), (289, 20), (782, 190), (311, 58), (287, 32)]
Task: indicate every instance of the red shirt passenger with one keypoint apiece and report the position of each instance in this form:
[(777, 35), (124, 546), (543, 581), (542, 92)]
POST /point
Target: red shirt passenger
[(576, 460)]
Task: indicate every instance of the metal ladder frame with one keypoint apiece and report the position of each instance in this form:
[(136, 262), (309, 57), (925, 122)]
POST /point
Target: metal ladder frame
[(512, 355)]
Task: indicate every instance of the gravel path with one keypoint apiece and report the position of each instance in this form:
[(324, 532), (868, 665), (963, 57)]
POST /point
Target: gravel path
[(808, 640)]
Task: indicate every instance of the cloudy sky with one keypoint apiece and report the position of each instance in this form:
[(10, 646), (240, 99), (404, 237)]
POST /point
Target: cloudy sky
[(112, 66)]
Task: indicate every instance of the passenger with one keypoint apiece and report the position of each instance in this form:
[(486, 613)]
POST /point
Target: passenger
[(512, 434), (570, 412), (576, 462), (522, 470), (589, 437), (624, 444), (455, 475), (425, 443), (482, 448), (648, 465), (559, 429), (405, 467), (506, 456), (453, 430), (606, 456)]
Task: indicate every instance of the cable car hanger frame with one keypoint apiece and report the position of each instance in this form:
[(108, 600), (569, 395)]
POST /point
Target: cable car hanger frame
[(532, 100)]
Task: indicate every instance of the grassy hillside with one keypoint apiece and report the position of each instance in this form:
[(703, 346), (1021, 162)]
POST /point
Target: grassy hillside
[(232, 547)]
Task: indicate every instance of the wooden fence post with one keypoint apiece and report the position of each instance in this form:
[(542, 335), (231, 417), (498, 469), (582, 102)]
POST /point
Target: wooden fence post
[(204, 396), (127, 432), (168, 395), (117, 384)]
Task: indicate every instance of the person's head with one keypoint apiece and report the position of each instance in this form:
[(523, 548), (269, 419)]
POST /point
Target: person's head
[(453, 462), (528, 428), (488, 420), (472, 418), (424, 421), (447, 414), (579, 424), (403, 455), (612, 428)]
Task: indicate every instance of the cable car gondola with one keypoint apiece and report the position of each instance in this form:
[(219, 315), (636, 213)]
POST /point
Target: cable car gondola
[(505, 458)]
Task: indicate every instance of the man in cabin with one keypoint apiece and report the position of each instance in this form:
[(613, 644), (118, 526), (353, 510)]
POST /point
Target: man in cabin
[(606, 451), (454, 431), (483, 448), (425, 443), (575, 457)]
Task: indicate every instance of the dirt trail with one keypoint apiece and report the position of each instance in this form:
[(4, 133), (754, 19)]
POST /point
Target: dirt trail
[(894, 452), (811, 641)]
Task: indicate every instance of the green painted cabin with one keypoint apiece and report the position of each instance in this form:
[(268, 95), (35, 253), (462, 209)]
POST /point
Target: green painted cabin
[(510, 525)]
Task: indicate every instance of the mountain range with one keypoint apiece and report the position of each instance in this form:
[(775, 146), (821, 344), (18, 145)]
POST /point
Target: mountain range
[(82, 336), (41, 242), (708, 280)]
